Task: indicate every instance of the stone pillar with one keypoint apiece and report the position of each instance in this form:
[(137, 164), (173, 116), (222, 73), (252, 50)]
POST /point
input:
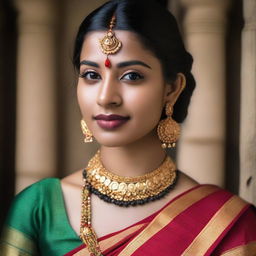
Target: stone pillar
[(248, 105), (202, 146), (36, 120)]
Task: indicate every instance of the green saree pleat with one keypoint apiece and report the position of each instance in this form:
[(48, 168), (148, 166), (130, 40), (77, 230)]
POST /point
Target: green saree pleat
[(37, 223)]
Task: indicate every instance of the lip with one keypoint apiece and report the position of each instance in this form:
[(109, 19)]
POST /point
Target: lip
[(110, 122), (110, 117)]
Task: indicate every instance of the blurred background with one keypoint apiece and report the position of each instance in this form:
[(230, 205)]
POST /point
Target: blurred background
[(40, 132)]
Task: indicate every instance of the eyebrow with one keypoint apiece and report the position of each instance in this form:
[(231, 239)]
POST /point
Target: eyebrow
[(89, 63), (119, 65), (131, 63)]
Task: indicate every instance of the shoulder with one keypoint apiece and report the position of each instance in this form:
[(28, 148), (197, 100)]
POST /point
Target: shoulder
[(225, 219), (37, 189), (213, 202), (233, 223), (239, 237), (28, 205), (221, 201), (74, 179), (210, 193)]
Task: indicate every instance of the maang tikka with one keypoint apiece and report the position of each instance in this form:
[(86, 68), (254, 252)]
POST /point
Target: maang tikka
[(109, 44)]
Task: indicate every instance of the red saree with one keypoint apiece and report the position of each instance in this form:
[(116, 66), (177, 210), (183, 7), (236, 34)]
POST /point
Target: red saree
[(205, 220)]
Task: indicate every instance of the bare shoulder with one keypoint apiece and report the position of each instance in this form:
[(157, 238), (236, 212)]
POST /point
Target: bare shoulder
[(71, 188), (188, 180), (74, 179), (185, 182)]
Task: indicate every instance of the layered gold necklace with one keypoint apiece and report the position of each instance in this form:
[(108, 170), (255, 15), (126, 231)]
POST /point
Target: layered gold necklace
[(122, 191)]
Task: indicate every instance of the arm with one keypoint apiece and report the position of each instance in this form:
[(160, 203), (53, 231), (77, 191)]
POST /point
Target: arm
[(20, 233)]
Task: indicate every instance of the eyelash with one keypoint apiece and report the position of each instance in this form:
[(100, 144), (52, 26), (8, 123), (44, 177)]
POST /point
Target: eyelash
[(138, 75), (86, 73)]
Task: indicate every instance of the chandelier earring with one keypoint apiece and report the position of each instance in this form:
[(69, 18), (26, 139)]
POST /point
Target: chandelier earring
[(87, 133), (168, 130)]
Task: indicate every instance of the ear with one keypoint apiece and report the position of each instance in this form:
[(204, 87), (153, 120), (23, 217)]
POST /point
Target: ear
[(173, 91)]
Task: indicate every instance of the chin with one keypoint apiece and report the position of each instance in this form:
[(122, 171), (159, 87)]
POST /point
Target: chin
[(122, 140), (115, 139), (113, 143)]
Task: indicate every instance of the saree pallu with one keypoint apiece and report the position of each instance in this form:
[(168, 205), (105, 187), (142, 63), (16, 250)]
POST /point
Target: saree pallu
[(205, 220)]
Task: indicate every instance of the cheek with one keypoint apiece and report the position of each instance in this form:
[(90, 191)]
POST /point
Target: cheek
[(148, 104), (150, 111), (85, 97)]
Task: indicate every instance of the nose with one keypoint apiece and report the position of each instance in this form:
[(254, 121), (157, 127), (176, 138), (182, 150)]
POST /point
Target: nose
[(109, 94)]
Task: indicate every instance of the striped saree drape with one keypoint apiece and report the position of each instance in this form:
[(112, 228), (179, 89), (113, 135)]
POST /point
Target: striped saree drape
[(203, 221)]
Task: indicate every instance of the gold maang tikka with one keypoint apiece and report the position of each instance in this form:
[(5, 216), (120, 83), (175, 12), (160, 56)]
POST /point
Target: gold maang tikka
[(109, 44)]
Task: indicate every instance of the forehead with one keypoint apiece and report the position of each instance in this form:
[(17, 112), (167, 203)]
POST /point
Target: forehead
[(132, 47)]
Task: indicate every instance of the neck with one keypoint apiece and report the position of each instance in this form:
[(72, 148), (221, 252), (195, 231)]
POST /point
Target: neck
[(134, 159)]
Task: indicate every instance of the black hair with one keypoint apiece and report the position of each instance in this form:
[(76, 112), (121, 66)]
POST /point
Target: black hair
[(158, 31)]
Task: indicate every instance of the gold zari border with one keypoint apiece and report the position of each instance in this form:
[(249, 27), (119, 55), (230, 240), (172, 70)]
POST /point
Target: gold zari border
[(109, 242), (242, 250), (16, 243), (166, 216), (214, 228)]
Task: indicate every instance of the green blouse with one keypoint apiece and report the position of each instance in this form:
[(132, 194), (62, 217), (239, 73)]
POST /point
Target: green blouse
[(38, 224)]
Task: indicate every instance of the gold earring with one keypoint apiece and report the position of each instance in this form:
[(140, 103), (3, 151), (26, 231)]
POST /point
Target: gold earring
[(87, 133), (168, 130)]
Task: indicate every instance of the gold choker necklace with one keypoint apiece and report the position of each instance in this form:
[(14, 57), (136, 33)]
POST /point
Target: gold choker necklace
[(122, 191), (130, 191)]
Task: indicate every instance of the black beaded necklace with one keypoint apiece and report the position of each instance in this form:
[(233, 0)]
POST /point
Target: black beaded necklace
[(123, 203)]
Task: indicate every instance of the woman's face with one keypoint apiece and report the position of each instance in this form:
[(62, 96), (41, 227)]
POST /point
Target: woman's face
[(121, 104)]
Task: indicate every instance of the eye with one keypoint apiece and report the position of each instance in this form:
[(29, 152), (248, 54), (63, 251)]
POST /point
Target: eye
[(132, 76), (90, 75)]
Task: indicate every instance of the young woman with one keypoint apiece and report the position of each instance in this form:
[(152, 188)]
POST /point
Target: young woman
[(133, 89)]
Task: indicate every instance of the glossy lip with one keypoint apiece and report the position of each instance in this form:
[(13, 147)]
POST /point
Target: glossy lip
[(110, 122), (110, 117)]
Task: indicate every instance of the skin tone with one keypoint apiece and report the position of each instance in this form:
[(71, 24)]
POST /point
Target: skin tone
[(134, 88)]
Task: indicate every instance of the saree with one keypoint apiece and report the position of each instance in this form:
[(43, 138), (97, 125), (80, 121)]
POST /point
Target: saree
[(205, 220)]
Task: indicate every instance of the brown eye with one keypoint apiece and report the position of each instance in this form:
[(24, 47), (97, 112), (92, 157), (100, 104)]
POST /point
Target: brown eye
[(132, 76), (90, 75)]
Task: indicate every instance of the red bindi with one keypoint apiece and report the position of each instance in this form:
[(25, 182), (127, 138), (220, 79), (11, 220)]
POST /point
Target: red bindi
[(107, 63)]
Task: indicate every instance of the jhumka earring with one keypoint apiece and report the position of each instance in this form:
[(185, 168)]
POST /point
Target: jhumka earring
[(168, 130), (109, 44), (87, 133)]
